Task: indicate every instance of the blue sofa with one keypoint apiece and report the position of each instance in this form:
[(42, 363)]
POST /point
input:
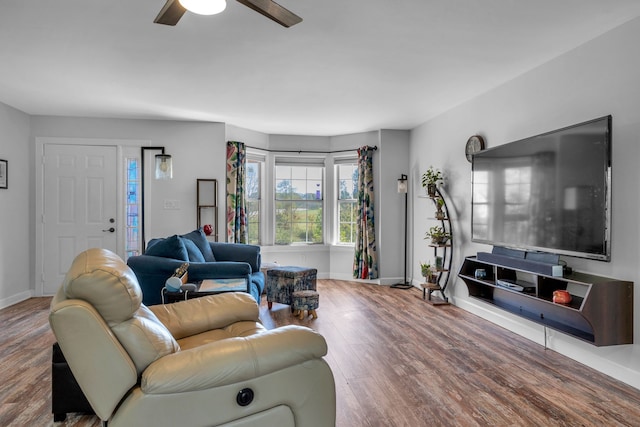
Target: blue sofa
[(207, 260)]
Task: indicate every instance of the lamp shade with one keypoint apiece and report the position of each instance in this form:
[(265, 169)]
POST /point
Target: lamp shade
[(402, 184), (164, 166), (204, 7)]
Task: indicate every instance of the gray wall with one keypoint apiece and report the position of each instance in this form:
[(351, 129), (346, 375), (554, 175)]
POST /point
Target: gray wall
[(16, 274), (596, 79)]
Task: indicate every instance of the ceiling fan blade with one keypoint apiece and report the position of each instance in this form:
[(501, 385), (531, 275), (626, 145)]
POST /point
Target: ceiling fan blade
[(274, 11), (170, 13)]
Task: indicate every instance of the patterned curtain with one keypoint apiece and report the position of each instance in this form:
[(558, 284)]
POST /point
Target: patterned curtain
[(365, 261), (236, 204)]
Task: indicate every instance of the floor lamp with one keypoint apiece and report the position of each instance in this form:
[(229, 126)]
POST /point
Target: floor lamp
[(402, 188), (163, 170)]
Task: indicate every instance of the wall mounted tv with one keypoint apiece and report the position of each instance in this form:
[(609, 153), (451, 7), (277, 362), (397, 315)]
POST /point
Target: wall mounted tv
[(548, 193)]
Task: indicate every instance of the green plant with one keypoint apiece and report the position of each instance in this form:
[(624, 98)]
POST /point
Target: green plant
[(426, 269), (437, 234), (429, 273), (439, 203), (432, 176)]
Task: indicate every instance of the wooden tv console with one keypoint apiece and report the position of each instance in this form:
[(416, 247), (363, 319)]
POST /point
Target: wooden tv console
[(600, 312)]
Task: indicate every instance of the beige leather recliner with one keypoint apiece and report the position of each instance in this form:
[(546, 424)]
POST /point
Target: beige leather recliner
[(202, 362)]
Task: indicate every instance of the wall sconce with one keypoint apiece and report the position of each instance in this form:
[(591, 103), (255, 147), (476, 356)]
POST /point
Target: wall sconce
[(163, 170), (164, 166)]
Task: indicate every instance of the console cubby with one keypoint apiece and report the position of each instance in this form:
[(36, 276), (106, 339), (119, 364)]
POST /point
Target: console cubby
[(600, 311)]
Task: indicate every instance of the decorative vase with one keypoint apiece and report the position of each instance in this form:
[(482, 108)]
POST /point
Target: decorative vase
[(439, 215), (561, 297), (431, 190), (440, 240), (439, 263)]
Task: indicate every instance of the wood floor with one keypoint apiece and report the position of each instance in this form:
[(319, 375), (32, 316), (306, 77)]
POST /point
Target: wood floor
[(396, 360)]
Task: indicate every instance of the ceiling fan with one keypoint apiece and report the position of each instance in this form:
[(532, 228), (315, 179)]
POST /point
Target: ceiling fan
[(173, 11)]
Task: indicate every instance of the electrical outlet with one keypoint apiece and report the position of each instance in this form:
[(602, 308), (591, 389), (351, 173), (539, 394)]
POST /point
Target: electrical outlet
[(171, 204)]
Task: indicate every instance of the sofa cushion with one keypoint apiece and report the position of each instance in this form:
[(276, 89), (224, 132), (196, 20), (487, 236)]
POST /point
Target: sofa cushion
[(195, 255), (171, 247), (198, 237)]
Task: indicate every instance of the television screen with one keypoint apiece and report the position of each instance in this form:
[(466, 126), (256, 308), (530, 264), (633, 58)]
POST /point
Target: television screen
[(548, 193)]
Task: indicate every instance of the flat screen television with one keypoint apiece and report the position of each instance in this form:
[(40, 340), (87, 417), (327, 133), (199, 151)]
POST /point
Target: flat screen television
[(548, 193)]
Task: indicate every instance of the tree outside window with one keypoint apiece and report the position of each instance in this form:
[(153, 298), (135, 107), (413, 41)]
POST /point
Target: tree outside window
[(347, 198), (253, 194), (298, 205)]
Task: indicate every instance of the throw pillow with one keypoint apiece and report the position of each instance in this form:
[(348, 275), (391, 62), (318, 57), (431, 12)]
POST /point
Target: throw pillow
[(171, 247), (198, 237), (195, 255)]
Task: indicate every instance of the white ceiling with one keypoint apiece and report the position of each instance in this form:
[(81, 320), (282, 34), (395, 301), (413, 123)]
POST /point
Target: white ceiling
[(350, 66)]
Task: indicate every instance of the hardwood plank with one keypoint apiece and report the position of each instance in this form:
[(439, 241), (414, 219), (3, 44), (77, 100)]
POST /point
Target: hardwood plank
[(396, 360)]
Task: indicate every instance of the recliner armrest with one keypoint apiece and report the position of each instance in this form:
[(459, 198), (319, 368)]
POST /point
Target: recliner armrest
[(194, 316), (232, 360)]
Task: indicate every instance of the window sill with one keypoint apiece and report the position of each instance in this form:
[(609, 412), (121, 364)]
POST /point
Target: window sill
[(294, 248)]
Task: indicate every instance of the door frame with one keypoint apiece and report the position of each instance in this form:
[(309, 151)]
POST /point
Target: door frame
[(40, 143)]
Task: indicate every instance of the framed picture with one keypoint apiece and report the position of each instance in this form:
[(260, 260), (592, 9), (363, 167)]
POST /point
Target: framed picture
[(4, 173)]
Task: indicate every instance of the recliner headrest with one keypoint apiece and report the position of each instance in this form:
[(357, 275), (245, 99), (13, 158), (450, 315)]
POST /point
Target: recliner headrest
[(102, 278)]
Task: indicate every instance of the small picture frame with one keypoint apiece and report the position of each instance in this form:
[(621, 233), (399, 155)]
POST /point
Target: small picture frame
[(4, 174)]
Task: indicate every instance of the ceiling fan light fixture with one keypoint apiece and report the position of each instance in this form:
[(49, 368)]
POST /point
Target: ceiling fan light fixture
[(204, 7)]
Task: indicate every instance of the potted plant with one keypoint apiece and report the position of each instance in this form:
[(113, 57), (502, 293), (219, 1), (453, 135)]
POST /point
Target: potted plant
[(438, 235), (429, 273), (439, 212), (430, 179)]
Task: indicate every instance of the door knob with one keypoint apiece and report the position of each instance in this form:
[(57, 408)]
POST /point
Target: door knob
[(110, 230)]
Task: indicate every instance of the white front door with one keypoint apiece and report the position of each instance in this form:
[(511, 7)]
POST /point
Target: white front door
[(79, 209)]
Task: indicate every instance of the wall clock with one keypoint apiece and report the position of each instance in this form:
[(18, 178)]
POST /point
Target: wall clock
[(474, 144)]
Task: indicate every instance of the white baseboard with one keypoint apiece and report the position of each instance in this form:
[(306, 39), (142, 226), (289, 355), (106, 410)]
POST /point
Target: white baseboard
[(14, 299), (349, 278)]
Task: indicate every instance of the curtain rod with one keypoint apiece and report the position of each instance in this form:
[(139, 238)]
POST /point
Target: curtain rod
[(375, 147)]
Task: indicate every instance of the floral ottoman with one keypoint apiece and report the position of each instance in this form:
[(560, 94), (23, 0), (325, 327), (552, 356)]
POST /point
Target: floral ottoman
[(282, 282), (305, 300)]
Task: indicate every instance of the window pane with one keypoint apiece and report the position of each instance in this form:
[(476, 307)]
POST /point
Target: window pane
[(298, 172), (299, 189), (283, 211), (283, 189), (314, 173), (299, 211), (283, 172), (253, 221), (347, 233), (253, 195), (283, 233), (347, 193), (298, 204), (252, 184), (133, 239), (299, 233)]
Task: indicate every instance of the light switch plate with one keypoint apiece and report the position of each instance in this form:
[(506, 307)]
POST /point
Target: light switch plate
[(171, 204)]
